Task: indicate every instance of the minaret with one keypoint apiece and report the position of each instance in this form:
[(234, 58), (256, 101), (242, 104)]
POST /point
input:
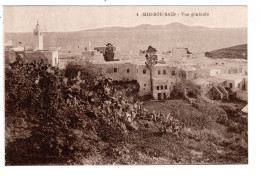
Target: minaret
[(39, 34)]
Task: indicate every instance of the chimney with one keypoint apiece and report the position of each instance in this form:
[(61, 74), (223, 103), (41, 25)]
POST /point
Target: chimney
[(89, 44)]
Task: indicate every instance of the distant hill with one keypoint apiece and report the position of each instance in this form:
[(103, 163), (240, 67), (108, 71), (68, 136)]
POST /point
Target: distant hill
[(235, 52), (149, 27), (130, 40)]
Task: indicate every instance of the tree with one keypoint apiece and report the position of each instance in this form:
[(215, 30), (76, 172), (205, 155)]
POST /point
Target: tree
[(109, 52), (151, 60)]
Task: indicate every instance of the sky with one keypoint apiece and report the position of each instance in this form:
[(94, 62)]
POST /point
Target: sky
[(76, 18)]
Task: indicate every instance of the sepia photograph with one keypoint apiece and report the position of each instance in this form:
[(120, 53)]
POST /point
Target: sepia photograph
[(125, 85)]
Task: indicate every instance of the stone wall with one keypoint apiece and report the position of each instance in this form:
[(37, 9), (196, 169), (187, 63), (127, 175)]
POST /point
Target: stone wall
[(48, 57)]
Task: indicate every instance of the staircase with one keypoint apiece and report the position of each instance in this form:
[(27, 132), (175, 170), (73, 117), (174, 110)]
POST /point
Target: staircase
[(223, 91), (218, 91)]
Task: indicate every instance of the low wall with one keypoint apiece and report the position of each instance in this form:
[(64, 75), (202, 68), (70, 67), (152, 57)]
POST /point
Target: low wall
[(242, 95)]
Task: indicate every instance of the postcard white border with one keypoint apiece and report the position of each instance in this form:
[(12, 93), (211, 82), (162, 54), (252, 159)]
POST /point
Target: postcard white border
[(254, 66)]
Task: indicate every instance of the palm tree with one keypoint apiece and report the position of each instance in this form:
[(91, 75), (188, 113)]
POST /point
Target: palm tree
[(151, 60)]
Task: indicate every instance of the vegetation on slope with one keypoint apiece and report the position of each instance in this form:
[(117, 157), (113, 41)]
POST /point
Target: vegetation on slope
[(235, 52), (62, 117), (75, 117)]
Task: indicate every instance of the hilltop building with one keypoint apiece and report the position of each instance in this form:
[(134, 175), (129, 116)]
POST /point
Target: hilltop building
[(181, 53), (102, 49), (38, 54), (217, 80), (163, 76)]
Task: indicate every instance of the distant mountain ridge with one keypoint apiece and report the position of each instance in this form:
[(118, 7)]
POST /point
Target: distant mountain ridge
[(130, 40), (171, 26)]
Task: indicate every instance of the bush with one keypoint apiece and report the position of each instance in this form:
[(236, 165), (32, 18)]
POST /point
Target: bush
[(186, 88), (52, 115)]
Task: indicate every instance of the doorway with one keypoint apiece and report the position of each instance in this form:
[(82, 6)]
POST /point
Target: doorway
[(159, 96), (164, 96)]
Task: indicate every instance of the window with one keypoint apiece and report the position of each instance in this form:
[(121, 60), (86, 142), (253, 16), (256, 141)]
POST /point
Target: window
[(115, 70), (159, 72), (165, 87), (230, 85), (157, 87), (144, 71), (144, 85), (161, 87), (164, 72), (128, 70), (244, 87), (173, 73), (238, 85)]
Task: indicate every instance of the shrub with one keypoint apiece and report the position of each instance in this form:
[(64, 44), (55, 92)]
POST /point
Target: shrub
[(186, 88), (59, 113)]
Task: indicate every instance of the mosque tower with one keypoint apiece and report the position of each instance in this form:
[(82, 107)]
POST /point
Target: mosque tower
[(38, 33)]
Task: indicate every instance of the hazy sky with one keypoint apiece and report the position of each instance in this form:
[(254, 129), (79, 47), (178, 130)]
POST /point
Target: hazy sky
[(75, 18)]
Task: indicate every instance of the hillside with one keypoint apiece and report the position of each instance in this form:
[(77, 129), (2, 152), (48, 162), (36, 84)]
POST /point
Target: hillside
[(73, 117), (130, 40), (235, 52)]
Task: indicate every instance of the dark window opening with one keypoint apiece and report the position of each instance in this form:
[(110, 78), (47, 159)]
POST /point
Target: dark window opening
[(191, 94), (144, 71), (161, 87), (159, 72), (115, 70), (244, 87), (158, 87), (230, 85), (128, 71), (144, 85), (165, 86), (164, 72)]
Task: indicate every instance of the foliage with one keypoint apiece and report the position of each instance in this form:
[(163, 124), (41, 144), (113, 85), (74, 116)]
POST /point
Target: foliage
[(128, 88), (151, 57), (109, 52), (61, 112), (185, 88), (66, 116)]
